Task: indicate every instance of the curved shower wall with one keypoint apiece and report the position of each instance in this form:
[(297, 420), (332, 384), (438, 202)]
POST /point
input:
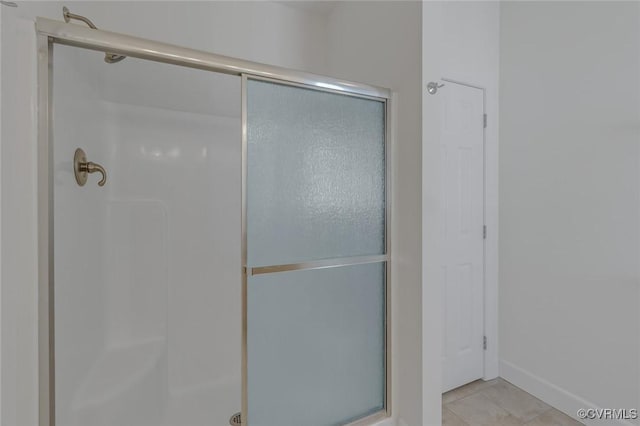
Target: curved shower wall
[(147, 301)]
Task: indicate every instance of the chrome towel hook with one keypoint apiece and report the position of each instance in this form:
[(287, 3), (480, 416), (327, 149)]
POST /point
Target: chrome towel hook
[(82, 168)]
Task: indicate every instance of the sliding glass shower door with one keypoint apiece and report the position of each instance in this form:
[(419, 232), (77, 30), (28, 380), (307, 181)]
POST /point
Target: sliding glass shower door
[(148, 266), (315, 255), (214, 245)]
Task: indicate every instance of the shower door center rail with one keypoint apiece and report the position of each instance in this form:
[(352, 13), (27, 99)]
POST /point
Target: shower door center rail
[(51, 32)]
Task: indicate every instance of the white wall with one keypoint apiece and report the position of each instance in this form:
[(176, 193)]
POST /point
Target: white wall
[(265, 31), (0, 219), (379, 43), (569, 201), (431, 221), (470, 54), (19, 267)]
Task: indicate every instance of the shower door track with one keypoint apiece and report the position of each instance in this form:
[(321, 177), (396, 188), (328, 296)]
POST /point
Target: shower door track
[(50, 32), (100, 40)]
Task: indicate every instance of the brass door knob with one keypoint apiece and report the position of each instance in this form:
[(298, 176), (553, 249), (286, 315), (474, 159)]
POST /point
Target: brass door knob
[(82, 168)]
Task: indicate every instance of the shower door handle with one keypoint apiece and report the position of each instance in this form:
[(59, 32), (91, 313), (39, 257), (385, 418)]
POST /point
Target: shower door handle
[(82, 168)]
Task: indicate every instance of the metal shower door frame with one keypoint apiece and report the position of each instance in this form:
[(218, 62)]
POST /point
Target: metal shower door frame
[(51, 32)]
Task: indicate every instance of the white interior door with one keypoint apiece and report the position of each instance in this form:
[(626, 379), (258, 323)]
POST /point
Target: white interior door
[(462, 233)]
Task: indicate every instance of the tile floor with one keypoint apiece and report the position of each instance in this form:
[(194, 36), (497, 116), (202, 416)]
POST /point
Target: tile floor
[(498, 403)]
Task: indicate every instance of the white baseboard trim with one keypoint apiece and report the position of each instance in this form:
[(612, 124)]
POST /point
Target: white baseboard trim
[(553, 395)]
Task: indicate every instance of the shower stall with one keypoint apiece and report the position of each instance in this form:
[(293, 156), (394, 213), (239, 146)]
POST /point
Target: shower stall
[(213, 238)]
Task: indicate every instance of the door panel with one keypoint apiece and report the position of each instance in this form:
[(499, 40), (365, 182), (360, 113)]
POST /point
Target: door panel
[(316, 175), (316, 345), (462, 234), (316, 336), (147, 267)]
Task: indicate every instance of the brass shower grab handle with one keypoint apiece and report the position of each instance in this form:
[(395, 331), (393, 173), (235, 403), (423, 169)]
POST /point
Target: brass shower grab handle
[(82, 168)]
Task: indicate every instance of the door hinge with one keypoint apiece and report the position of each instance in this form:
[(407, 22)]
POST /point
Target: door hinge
[(484, 120), (484, 232), (484, 342)]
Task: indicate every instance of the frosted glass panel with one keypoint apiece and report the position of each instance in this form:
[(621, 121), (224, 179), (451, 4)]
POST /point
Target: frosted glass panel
[(316, 175), (315, 346)]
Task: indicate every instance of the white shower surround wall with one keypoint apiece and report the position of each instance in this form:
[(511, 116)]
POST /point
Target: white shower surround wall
[(148, 240)]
